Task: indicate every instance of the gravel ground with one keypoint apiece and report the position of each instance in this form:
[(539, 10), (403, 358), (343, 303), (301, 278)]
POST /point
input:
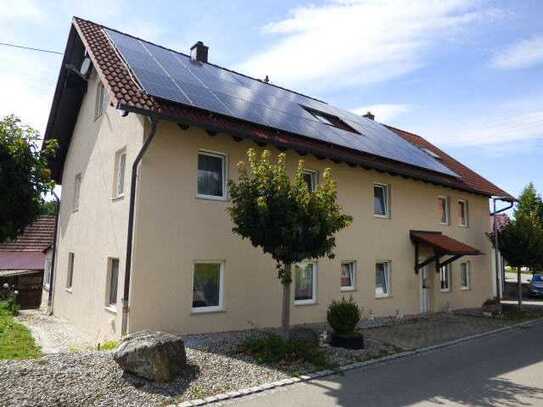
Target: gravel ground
[(93, 378)]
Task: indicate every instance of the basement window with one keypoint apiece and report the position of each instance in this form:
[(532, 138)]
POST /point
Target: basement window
[(330, 120)]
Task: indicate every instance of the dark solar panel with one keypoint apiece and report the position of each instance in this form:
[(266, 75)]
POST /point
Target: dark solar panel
[(174, 77)]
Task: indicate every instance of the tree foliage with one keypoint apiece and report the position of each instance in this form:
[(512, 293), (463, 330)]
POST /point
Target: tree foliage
[(284, 217), (24, 176)]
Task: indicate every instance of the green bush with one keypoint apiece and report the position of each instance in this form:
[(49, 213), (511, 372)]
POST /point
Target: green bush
[(273, 349), (10, 306), (343, 316), (108, 345)]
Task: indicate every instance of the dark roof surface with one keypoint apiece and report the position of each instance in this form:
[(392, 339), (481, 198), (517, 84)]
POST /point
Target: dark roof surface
[(443, 243), (126, 94), (22, 260), (36, 237)]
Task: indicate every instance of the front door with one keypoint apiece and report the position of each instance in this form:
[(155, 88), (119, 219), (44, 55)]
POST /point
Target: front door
[(425, 289)]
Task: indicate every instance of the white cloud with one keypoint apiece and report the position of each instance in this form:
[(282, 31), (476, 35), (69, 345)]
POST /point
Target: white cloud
[(356, 42), (20, 9), (523, 54), (384, 112)]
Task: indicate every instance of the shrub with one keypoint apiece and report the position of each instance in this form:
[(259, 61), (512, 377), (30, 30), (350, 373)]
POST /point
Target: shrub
[(273, 349), (108, 345), (343, 316), (8, 299)]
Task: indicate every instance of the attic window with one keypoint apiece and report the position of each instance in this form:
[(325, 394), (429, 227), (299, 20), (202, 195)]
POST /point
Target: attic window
[(330, 120)]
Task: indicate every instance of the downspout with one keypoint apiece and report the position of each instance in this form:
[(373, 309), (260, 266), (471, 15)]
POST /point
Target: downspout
[(130, 234), (495, 199), (53, 258)]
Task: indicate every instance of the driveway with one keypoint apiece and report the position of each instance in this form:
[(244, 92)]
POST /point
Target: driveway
[(500, 370)]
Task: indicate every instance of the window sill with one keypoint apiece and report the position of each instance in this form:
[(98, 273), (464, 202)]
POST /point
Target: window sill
[(444, 223), (465, 288), (445, 291), (347, 289), (75, 210), (212, 198), (111, 309), (305, 302), (382, 297), (207, 310), (68, 290), (46, 287), (463, 226), (381, 216), (117, 198)]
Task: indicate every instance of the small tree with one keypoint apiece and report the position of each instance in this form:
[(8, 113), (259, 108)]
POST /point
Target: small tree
[(283, 217), (24, 176)]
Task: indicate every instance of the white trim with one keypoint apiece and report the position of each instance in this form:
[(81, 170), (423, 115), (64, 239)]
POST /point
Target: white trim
[(352, 287), (117, 174), (388, 272), (448, 272), (466, 210), (224, 158), (468, 275), (214, 308), (386, 188), (109, 280), (447, 210), (313, 300)]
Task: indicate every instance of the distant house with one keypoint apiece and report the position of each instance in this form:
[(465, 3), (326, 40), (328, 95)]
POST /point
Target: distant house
[(26, 261), (149, 138)]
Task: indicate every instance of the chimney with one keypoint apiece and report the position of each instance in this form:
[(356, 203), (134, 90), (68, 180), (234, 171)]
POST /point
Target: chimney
[(369, 115), (198, 52)]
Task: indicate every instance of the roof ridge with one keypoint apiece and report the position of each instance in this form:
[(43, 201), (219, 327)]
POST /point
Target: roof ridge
[(209, 63)]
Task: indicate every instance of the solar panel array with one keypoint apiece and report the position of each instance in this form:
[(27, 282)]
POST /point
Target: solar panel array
[(174, 77)]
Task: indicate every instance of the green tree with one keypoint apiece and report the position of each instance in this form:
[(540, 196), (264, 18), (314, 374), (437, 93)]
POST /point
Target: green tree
[(24, 176), (530, 205), (283, 217), (48, 208)]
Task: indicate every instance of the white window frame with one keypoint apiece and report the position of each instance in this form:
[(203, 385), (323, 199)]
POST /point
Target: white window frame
[(313, 300), (388, 272), (70, 271), (386, 188), (447, 209), (78, 179), (448, 273), (102, 101), (214, 308), (118, 174), (468, 275), (314, 179), (109, 280), (464, 224), (352, 287), (224, 159)]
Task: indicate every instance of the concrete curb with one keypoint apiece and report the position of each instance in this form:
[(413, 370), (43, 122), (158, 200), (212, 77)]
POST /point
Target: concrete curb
[(356, 365)]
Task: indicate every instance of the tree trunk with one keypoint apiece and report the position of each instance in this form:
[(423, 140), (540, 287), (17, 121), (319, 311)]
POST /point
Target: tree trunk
[(519, 286), (285, 312)]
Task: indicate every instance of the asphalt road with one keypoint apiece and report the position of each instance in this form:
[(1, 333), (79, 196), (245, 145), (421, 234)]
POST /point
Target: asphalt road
[(500, 370)]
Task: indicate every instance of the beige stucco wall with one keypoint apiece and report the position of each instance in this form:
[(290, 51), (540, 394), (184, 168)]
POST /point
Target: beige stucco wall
[(97, 230), (174, 228)]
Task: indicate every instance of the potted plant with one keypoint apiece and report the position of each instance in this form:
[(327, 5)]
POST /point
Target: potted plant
[(343, 316)]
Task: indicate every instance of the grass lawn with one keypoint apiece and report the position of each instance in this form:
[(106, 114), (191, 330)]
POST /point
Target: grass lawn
[(16, 342)]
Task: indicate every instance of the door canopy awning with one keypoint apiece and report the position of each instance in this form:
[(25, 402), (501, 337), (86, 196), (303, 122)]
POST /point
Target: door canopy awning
[(442, 245)]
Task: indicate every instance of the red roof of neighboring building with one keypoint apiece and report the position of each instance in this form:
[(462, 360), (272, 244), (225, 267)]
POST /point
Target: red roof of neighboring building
[(27, 251), (125, 94), (443, 243)]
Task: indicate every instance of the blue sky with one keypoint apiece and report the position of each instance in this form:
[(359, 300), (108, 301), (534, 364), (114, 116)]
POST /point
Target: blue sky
[(467, 75)]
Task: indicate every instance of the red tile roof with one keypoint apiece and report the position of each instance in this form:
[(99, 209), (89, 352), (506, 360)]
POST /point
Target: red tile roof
[(443, 243), (126, 94), (36, 237), (468, 178)]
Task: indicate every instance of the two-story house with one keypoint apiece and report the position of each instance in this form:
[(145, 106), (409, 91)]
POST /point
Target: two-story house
[(148, 139)]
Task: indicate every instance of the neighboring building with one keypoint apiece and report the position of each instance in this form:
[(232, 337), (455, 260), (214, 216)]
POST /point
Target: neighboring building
[(25, 260), (187, 271)]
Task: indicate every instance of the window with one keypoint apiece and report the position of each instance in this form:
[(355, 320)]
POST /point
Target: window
[(77, 191), (348, 272), (382, 279), (120, 165), (211, 175), (465, 278), (70, 274), (47, 273), (445, 278), (443, 205), (311, 178), (463, 215), (207, 286), (102, 101), (381, 200), (305, 283), (112, 282)]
